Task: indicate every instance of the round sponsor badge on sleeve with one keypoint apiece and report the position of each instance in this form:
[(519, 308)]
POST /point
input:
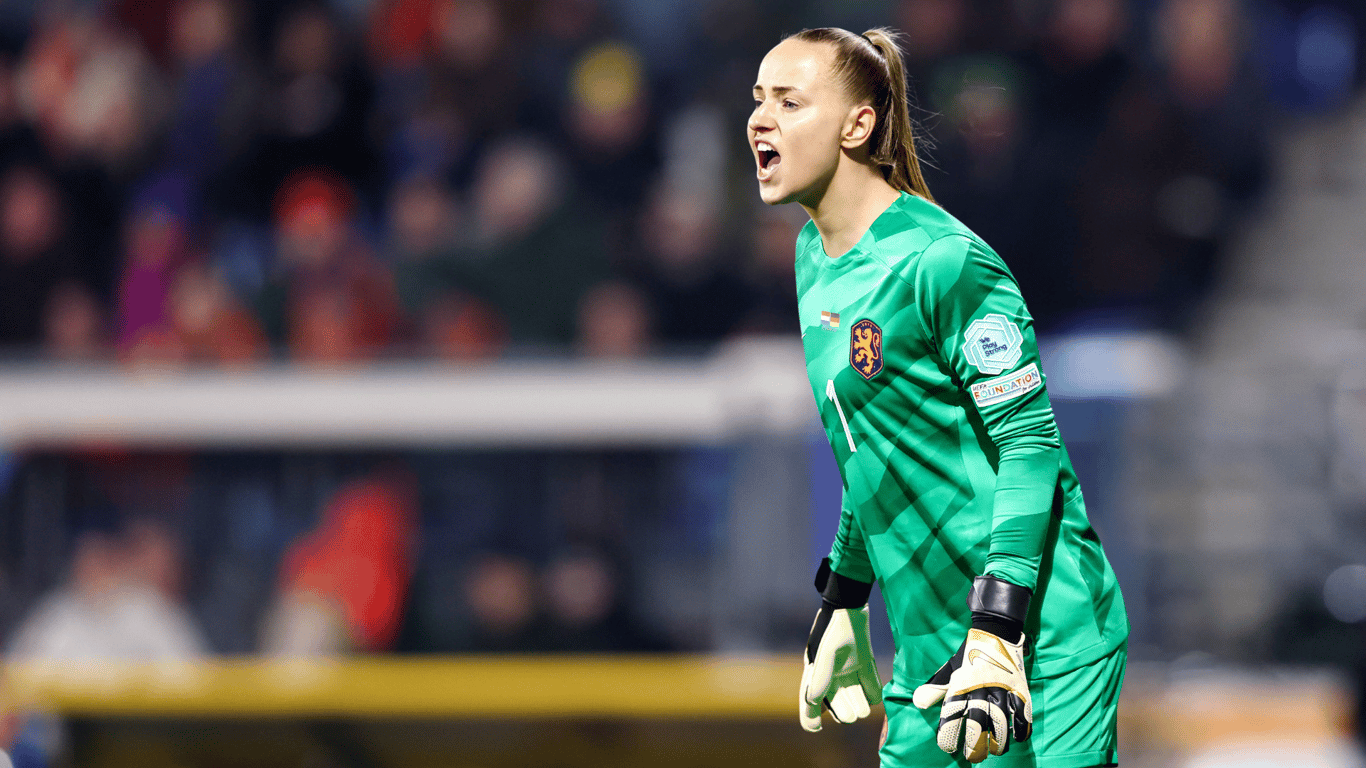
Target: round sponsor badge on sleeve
[(993, 343)]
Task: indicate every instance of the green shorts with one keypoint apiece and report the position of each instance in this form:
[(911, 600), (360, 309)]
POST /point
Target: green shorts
[(1075, 722)]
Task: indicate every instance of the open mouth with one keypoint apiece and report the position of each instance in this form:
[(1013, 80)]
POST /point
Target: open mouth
[(769, 159)]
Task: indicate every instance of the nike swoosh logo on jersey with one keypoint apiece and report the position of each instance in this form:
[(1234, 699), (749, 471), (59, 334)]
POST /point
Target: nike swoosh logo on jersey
[(978, 653)]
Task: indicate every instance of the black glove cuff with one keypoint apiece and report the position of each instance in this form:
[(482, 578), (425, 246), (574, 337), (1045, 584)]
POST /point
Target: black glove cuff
[(999, 607), (841, 591), (818, 629)]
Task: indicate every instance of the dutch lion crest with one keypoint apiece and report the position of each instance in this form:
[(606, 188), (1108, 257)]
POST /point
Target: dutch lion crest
[(865, 348)]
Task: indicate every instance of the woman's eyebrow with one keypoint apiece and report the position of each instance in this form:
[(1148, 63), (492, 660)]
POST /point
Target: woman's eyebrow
[(778, 90)]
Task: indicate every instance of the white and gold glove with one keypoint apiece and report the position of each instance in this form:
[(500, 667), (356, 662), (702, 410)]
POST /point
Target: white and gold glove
[(983, 687), (839, 670)]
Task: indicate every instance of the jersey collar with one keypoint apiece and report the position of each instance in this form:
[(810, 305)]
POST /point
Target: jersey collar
[(888, 223)]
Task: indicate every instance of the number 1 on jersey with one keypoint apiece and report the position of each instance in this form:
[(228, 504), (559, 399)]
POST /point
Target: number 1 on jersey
[(830, 393)]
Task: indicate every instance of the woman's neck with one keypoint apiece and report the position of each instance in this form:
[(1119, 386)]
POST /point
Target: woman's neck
[(856, 196)]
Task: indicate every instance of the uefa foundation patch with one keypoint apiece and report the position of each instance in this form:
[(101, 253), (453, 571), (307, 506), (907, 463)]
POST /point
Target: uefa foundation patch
[(1007, 387)]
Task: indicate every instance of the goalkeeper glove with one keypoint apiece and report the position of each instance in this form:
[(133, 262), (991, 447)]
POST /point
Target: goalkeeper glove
[(839, 669), (985, 694)]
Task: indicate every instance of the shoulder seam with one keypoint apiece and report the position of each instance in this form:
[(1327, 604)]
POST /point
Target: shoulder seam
[(928, 245), (929, 332)]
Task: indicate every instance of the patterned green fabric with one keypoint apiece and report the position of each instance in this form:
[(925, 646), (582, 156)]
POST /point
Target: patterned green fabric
[(924, 365), (1076, 724)]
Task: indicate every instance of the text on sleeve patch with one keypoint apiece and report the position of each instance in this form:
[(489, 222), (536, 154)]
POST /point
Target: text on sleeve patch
[(993, 343), (1007, 387)]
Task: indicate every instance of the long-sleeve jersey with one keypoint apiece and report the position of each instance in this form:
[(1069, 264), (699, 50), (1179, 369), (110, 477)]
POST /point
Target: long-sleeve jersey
[(924, 365)]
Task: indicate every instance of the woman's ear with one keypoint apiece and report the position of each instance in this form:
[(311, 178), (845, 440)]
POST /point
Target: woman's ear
[(858, 127)]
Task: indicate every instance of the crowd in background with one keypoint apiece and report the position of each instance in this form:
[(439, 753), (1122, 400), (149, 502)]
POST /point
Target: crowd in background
[(223, 182), (176, 554), (236, 182), (228, 181)]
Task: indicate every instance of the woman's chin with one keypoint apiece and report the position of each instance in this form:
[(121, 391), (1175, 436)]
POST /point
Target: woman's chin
[(775, 194)]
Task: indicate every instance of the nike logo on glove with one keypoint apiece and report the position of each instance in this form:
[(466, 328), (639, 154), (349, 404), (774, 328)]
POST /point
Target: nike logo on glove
[(978, 653)]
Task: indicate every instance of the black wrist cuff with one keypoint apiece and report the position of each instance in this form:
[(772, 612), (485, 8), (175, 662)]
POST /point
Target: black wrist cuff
[(818, 630), (1008, 631), (841, 591), (999, 607)]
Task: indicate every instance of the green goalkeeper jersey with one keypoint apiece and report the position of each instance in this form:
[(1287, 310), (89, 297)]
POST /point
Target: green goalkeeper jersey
[(923, 362)]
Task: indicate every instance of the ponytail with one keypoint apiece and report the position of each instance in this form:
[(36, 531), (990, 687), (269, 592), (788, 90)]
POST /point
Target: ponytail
[(871, 69), (895, 148)]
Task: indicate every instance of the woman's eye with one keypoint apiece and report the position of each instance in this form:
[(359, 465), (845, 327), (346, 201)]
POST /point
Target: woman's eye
[(789, 104)]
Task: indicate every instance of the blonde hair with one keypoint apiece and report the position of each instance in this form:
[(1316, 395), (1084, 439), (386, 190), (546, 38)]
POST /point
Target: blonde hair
[(870, 68)]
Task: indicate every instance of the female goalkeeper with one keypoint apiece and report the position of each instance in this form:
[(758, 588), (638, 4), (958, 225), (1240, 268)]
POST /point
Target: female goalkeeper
[(959, 498)]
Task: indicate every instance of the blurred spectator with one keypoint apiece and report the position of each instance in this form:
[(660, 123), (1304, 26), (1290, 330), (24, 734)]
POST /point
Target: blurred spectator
[(1198, 41), (425, 247), (934, 31), (558, 32), (434, 99), (314, 110), (1176, 161), (121, 601), (1000, 176), (1211, 84), (48, 71), (114, 107), (18, 141), (538, 246), (501, 593), (155, 243), (154, 559), (310, 64), (460, 327), (613, 149), (1080, 66), (331, 300), (432, 140), (188, 316), (585, 606), (33, 260), (343, 586), (424, 219), (214, 93), (90, 103), (92, 92), (698, 295), (397, 38), (1309, 52), (1076, 68), (475, 62), (74, 325), (211, 325), (614, 322)]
